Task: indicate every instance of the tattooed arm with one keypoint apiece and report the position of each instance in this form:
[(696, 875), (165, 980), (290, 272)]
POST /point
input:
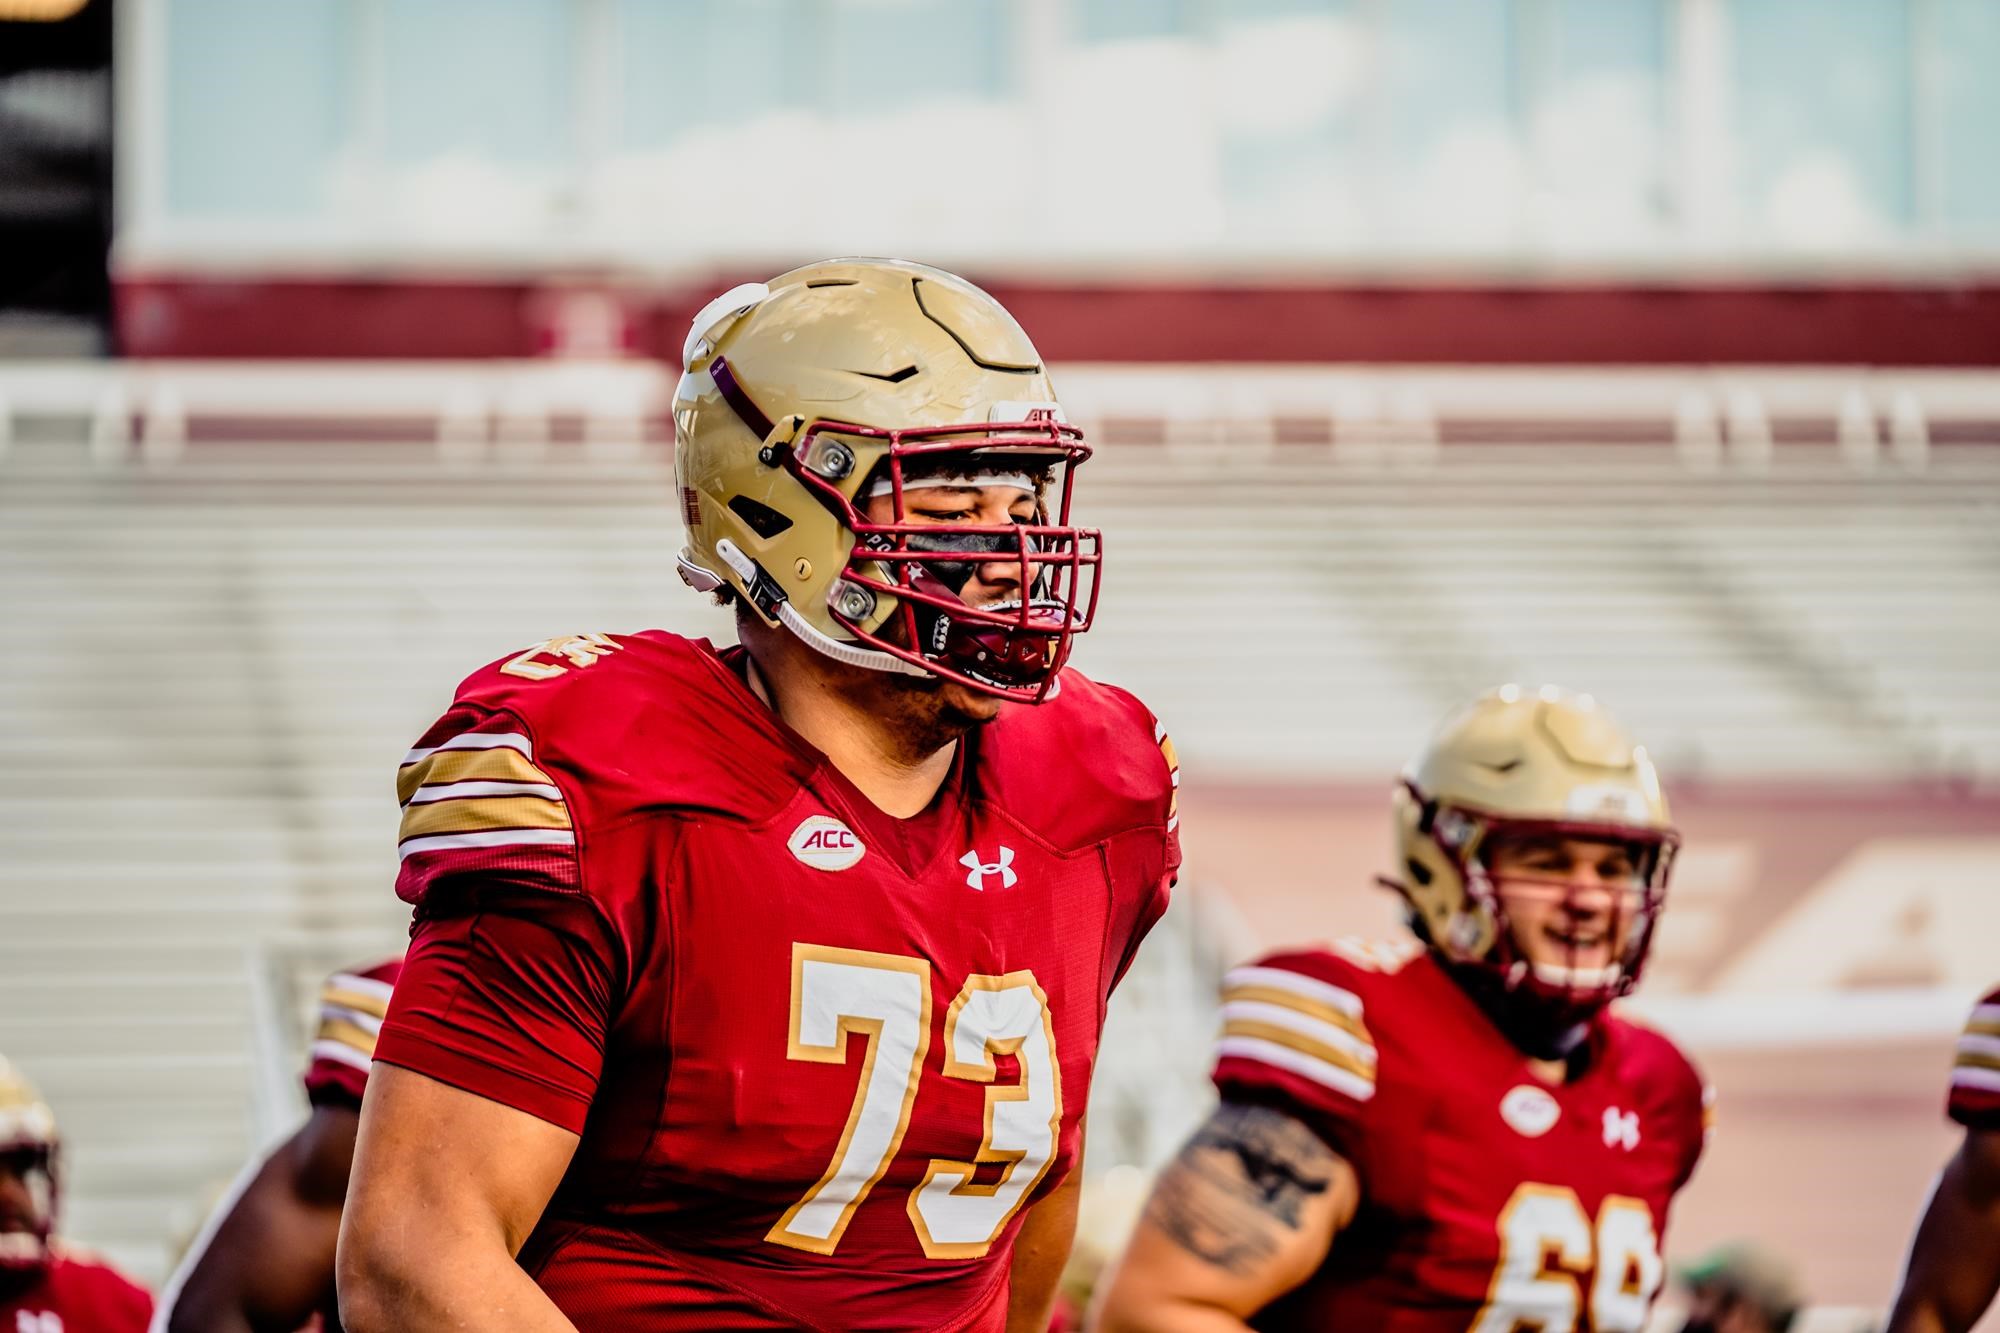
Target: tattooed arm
[(1245, 1213)]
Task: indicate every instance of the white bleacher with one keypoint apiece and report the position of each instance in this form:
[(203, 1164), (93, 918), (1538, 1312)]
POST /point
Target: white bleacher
[(218, 663)]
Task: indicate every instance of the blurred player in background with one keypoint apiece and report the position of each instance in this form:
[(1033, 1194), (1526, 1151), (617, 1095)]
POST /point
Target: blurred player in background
[(1740, 1288), (1453, 1133), (46, 1287), (1954, 1264), (761, 987), (264, 1261)]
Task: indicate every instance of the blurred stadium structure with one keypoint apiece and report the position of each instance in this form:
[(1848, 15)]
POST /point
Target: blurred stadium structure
[(1646, 346)]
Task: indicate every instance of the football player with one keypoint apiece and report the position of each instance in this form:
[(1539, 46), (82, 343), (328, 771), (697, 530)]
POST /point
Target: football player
[(1954, 1262), (46, 1286), (760, 987), (1452, 1132), (264, 1261)]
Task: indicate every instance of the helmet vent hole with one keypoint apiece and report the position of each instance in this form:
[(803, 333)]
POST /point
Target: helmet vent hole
[(1419, 872), (892, 377), (763, 520), (832, 282)]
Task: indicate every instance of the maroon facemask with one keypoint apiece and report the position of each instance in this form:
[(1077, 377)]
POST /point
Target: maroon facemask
[(1568, 992), (1013, 649)]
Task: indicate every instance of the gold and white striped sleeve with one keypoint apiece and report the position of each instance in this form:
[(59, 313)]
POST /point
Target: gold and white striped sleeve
[(1299, 1024)]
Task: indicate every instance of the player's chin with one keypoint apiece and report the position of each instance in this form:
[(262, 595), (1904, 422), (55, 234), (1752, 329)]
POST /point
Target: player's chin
[(973, 705)]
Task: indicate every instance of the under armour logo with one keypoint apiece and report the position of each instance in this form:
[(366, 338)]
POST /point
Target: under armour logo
[(1621, 1128), (977, 870), (26, 1321)]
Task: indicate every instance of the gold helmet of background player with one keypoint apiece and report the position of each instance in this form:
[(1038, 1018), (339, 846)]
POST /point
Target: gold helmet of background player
[(29, 1148), (808, 397), (1520, 762)]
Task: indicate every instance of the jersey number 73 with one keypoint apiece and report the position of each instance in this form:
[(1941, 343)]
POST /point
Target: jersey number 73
[(836, 992)]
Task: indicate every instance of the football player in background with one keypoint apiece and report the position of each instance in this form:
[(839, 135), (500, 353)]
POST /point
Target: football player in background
[(1740, 1288), (264, 1261), (1451, 1132), (760, 987), (46, 1286), (1954, 1263)]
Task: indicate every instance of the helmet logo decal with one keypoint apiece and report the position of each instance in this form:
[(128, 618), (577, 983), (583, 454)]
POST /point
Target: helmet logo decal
[(976, 870), (1039, 413), (824, 843), (1603, 801), (1529, 1111)]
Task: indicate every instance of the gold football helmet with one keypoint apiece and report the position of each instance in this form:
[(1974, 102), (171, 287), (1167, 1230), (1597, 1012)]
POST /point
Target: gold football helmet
[(29, 1150), (806, 399), (1517, 762)]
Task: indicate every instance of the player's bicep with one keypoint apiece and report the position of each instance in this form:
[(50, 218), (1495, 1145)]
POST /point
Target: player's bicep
[(267, 1263), (1954, 1263), (465, 1173), (1246, 1212)]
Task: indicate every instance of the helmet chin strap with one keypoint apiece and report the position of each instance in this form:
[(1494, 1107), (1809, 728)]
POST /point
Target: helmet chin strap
[(788, 615), (848, 653)]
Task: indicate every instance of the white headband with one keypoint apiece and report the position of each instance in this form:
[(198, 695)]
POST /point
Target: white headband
[(1020, 481)]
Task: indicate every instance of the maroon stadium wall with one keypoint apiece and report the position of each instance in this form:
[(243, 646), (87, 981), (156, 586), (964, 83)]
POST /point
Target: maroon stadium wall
[(1764, 323)]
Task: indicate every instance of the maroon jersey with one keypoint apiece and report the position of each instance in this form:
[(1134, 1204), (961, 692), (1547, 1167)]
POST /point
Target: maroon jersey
[(78, 1293), (821, 1060), (1490, 1199), (1975, 1071), (351, 1008)]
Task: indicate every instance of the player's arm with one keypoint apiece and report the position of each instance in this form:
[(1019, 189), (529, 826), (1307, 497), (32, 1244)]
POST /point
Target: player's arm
[(1954, 1264), (1041, 1250), (492, 1049), (1247, 1211), (267, 1265), (447, 1186)]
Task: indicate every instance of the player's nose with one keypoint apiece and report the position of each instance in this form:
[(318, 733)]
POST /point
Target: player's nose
[(1590, 894), (1007, 576)]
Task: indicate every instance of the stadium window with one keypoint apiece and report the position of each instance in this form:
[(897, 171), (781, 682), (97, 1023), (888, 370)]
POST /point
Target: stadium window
[(687, 63), (1823, 123), (1128, 20), (1290, 75), (1594, 78), (1448, 153), (478, 79), (257, 106), (1960, 51), (888, 56)]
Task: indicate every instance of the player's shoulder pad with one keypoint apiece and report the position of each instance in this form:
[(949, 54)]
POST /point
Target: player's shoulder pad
[(1650, 1059), (648, 720), (352, 1005), (1087, 763), (1975, 1068), (1309, 1013), (94, 1267)]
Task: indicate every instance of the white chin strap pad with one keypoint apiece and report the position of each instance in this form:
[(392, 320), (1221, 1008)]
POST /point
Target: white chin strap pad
[(788, 615)]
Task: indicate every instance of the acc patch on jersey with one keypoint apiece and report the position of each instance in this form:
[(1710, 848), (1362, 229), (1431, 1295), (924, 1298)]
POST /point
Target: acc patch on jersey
[(824, 843)]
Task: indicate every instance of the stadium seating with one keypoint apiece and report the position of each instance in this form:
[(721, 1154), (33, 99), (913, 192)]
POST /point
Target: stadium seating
[(218, 664)]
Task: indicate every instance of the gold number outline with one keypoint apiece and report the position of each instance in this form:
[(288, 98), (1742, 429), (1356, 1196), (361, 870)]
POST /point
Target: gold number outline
[(1553, 1263), (986, 1071), (836, 1054)]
